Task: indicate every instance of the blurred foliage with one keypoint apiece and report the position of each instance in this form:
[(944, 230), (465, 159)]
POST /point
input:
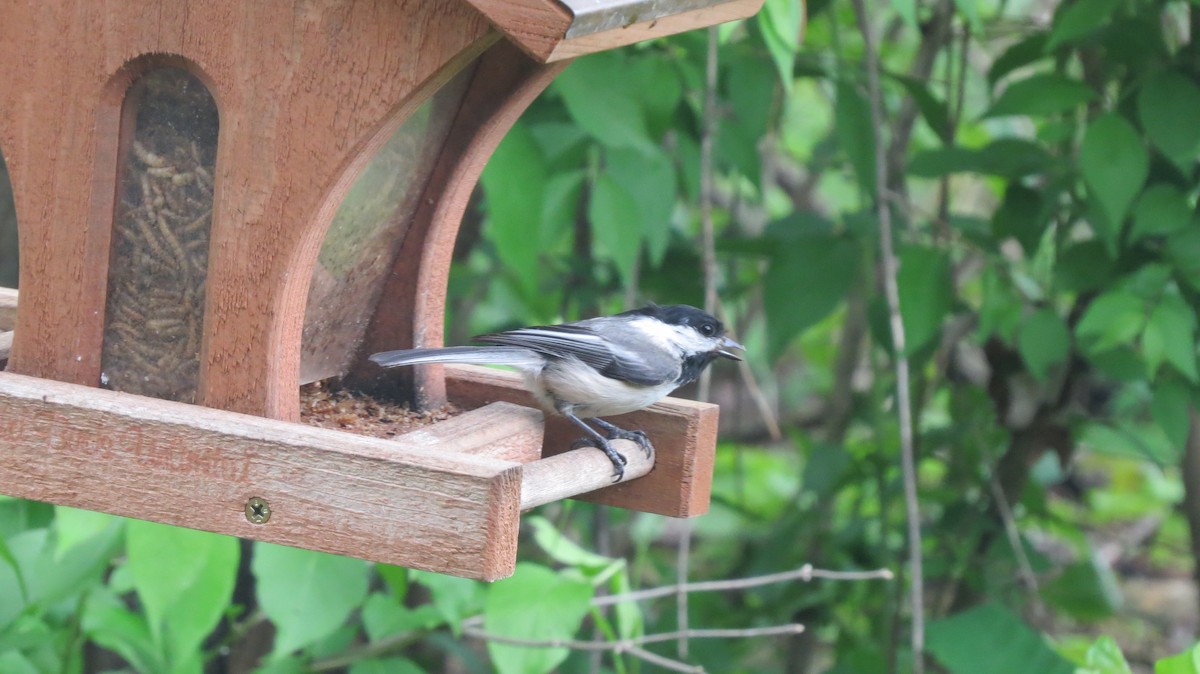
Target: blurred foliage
[(1044, 175)]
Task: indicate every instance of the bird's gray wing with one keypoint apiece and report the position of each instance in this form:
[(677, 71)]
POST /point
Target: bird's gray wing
[(616, 359), (477, 355)]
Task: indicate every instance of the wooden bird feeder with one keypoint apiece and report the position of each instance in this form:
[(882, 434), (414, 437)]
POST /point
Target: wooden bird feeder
[(221, 200)]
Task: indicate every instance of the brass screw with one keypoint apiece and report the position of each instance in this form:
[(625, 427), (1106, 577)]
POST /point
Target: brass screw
[(258, 511)]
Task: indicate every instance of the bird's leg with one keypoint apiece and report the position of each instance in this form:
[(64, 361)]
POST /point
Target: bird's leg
[(615, 433), (598, 441)]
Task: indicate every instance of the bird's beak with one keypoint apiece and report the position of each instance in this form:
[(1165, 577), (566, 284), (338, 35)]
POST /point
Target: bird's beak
[(726, 345)]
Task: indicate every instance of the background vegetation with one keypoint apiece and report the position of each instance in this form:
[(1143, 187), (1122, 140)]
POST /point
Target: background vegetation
[(1041, 179)]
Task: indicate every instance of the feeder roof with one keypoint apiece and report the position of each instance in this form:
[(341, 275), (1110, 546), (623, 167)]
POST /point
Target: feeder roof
[(552, 30)]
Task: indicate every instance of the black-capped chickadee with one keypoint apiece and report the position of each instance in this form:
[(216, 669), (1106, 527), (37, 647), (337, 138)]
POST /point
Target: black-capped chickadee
[(600, 366)]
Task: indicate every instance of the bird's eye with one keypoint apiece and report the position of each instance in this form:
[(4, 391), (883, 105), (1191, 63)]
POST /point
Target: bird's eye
[(708, 329)]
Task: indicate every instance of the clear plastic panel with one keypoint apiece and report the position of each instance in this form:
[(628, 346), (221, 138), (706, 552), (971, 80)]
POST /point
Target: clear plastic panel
[(8, 230), (366, 234), (159, 258)]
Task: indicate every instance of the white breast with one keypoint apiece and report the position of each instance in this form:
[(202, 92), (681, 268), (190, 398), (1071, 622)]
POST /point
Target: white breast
[(586, 393)]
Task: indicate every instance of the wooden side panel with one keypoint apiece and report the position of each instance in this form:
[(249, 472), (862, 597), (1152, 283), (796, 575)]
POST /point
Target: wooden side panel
[(684, 434), (422, 501), (412, 306), (306, 91)]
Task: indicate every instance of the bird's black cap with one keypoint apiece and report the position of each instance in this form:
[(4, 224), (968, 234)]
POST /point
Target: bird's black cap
[(680, 314)]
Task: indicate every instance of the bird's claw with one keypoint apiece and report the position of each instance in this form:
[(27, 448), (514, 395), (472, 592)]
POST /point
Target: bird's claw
[(618, 459)]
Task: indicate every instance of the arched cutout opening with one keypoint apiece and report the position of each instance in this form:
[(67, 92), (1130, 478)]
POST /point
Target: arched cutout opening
[(367, 231), (159, 252)]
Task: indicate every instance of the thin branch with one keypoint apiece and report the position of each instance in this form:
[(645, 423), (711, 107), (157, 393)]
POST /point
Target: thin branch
[(805, 573), (708, 243), (471, 627), (1024, 568), (892, 291)]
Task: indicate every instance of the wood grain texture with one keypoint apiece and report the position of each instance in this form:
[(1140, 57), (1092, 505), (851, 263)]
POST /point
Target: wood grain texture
[(499, 431), (684, 434), (539, 27), (8, 309), (579, 471), (536, 26), (422, 500), (411, 309), (307, 90)]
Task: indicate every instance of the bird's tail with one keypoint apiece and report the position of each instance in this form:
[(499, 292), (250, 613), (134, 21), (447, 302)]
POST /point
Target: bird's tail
[(513, 356)]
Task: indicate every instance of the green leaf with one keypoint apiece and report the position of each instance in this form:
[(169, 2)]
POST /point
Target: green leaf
[(659, 87), (535, 603), (306, 594), (1083, 266), (1044, 341), (106, 621), (1105, 657), (1167, 105), (907, 9), (1085, 590), (396, 578), (1187, 662), (73, 527), (1161, 210), (514, 183), (1022, 215), (1183, 250), (1112, 319), (615, 220), (1007, 158), (562, 549), (1169, 407), (780, 22), (1020, 54), (1114, 165), (1170, 337), (602, 99), (1079, 19), (649, 178), (384, 617), (958, 640), (970, 10), (454, 598), (1041, 95), (386, 666), (807, 280), (926, 293), (933, 110), (184, 599), (13, 662), (855, 133)]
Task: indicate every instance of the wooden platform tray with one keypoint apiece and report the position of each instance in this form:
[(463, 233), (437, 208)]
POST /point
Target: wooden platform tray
[(444, 498)]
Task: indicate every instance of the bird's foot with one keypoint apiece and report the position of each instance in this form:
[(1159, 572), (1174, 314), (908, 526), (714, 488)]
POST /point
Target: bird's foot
[(616, 433), (618, 460)]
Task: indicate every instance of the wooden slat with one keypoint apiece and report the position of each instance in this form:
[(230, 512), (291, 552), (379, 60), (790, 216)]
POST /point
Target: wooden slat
[(684, 434), (8, 309), (421, 500), (540, 27)]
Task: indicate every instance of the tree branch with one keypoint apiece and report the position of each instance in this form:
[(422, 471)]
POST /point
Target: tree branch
[(892, 291)]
